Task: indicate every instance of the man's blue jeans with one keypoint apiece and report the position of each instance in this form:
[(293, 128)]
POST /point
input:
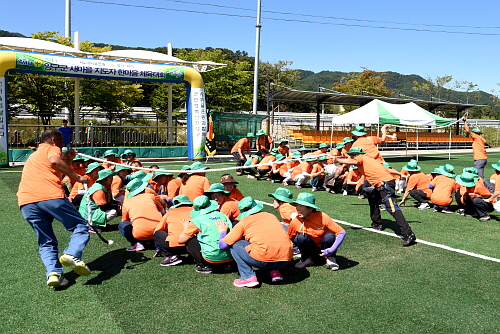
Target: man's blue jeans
[(246, 262), (40, 216)]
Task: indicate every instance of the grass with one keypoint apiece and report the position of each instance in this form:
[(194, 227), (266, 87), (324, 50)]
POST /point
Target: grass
[(381, 287)]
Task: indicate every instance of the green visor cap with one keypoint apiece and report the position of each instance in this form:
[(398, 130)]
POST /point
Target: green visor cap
[(248, 206), (282, 194), (203, 205), (307, 199), (466, 179), (216, 188), (180, 200), (104, 173)]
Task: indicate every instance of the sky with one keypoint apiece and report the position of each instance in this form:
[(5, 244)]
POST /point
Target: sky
[(427, 38)]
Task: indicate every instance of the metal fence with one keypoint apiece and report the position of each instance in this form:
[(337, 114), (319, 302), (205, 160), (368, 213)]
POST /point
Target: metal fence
[(23, 136)]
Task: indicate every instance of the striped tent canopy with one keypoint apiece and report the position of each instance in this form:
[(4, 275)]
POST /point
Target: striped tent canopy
[(379, 112)]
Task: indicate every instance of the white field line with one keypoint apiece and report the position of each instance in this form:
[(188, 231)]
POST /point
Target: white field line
[(456, 250)]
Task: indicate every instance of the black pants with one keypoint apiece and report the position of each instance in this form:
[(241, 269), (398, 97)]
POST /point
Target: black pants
[(239, 162), (309, 249), (478, 205), (385, 193), (419, 196), (194, 249), (276, 177), (77, 200), (159, 238)]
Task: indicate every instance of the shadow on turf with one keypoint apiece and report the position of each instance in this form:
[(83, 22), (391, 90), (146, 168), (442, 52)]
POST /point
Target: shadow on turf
[(112, 263)]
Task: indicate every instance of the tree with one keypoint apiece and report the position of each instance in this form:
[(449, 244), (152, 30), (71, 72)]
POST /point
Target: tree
[(438, 87), (368, 81)]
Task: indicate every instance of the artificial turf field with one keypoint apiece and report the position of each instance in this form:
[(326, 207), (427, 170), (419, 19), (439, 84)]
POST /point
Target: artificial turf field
[(381, 287)]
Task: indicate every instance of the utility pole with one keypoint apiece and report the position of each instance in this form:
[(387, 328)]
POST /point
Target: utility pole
[(67, 21), (257, 49)]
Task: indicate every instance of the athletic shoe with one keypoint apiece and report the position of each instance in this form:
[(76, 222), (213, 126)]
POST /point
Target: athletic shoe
[(400, 191), (135, 247), (276, 276), (298, 186), (461, 212), (344, 193), (446, 209), (203, 270), (296, 254), (269, 179), (424, 206), (435, 208), (382, 207), (284, 183), (314, 189), (171, 261), (93, 230), (302, 264), (361, 196), (409, 240), (378, 227), (250, 177), (76, 264), (485, 218), (246, 283), (56, 280), (331, 262)]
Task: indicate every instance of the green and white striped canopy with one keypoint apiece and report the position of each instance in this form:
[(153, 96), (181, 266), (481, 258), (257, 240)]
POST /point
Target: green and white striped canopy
[(380, 112)]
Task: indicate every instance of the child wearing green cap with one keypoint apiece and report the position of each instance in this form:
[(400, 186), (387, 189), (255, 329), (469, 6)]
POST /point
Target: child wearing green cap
[(315, 233)]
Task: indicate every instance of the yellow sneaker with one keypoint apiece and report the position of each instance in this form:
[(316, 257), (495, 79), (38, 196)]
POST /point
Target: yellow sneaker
[(76, 264), (56, 280)]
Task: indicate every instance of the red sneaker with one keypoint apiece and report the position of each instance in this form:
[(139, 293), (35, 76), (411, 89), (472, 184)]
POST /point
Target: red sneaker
[(248, 282), (276, 276)]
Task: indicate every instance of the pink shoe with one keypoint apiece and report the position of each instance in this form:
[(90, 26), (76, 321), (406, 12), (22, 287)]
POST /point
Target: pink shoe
[(276, 276), (284, 183), (248, 282)]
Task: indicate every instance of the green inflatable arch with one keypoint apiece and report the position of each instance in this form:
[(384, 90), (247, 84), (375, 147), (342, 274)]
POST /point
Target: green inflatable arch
[(68, 66)]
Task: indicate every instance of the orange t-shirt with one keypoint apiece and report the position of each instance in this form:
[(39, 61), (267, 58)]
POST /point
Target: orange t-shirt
[(236, 194), (230, 209), (420, 181), (318, 168), (303, 167), (263, 142), (353, 176), (286, 210), (443, 187), (144, 212), (284, 150), (477, 189), (109, 166), (316, 226), (268, 239), (171, 223), (39, 180), (173, 187), (78, 187), (243, 143), (100, 197), (195, 186), (368, 145), (318, 152), (478, 146), (116, 185), (373, 171), (267, 159)]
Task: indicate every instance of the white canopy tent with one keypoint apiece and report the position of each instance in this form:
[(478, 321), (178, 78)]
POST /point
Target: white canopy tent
[(380, 112)]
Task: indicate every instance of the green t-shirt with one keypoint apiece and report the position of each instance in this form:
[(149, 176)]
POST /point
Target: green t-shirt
[(209, 236)]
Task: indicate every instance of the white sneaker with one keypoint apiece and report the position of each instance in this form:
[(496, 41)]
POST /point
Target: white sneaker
[(424, 206), (332, 263), (302, 264), (344, 193), (56, 280), (314, 189)]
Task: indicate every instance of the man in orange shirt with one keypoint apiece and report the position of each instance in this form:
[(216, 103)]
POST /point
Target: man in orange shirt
[(369, 143), (382, 189), (263, 142), (265, 170), (78, 190), (478, 147), (110, 156), (318, 174), (141, 213), (116, 186), (302, 173), (258, 241), (315, 233), (169, 229), (352, 181), (323, 147), (283, 148), (194, 183), (230, 185), (41, 199), (418, 185), (239, 149)]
